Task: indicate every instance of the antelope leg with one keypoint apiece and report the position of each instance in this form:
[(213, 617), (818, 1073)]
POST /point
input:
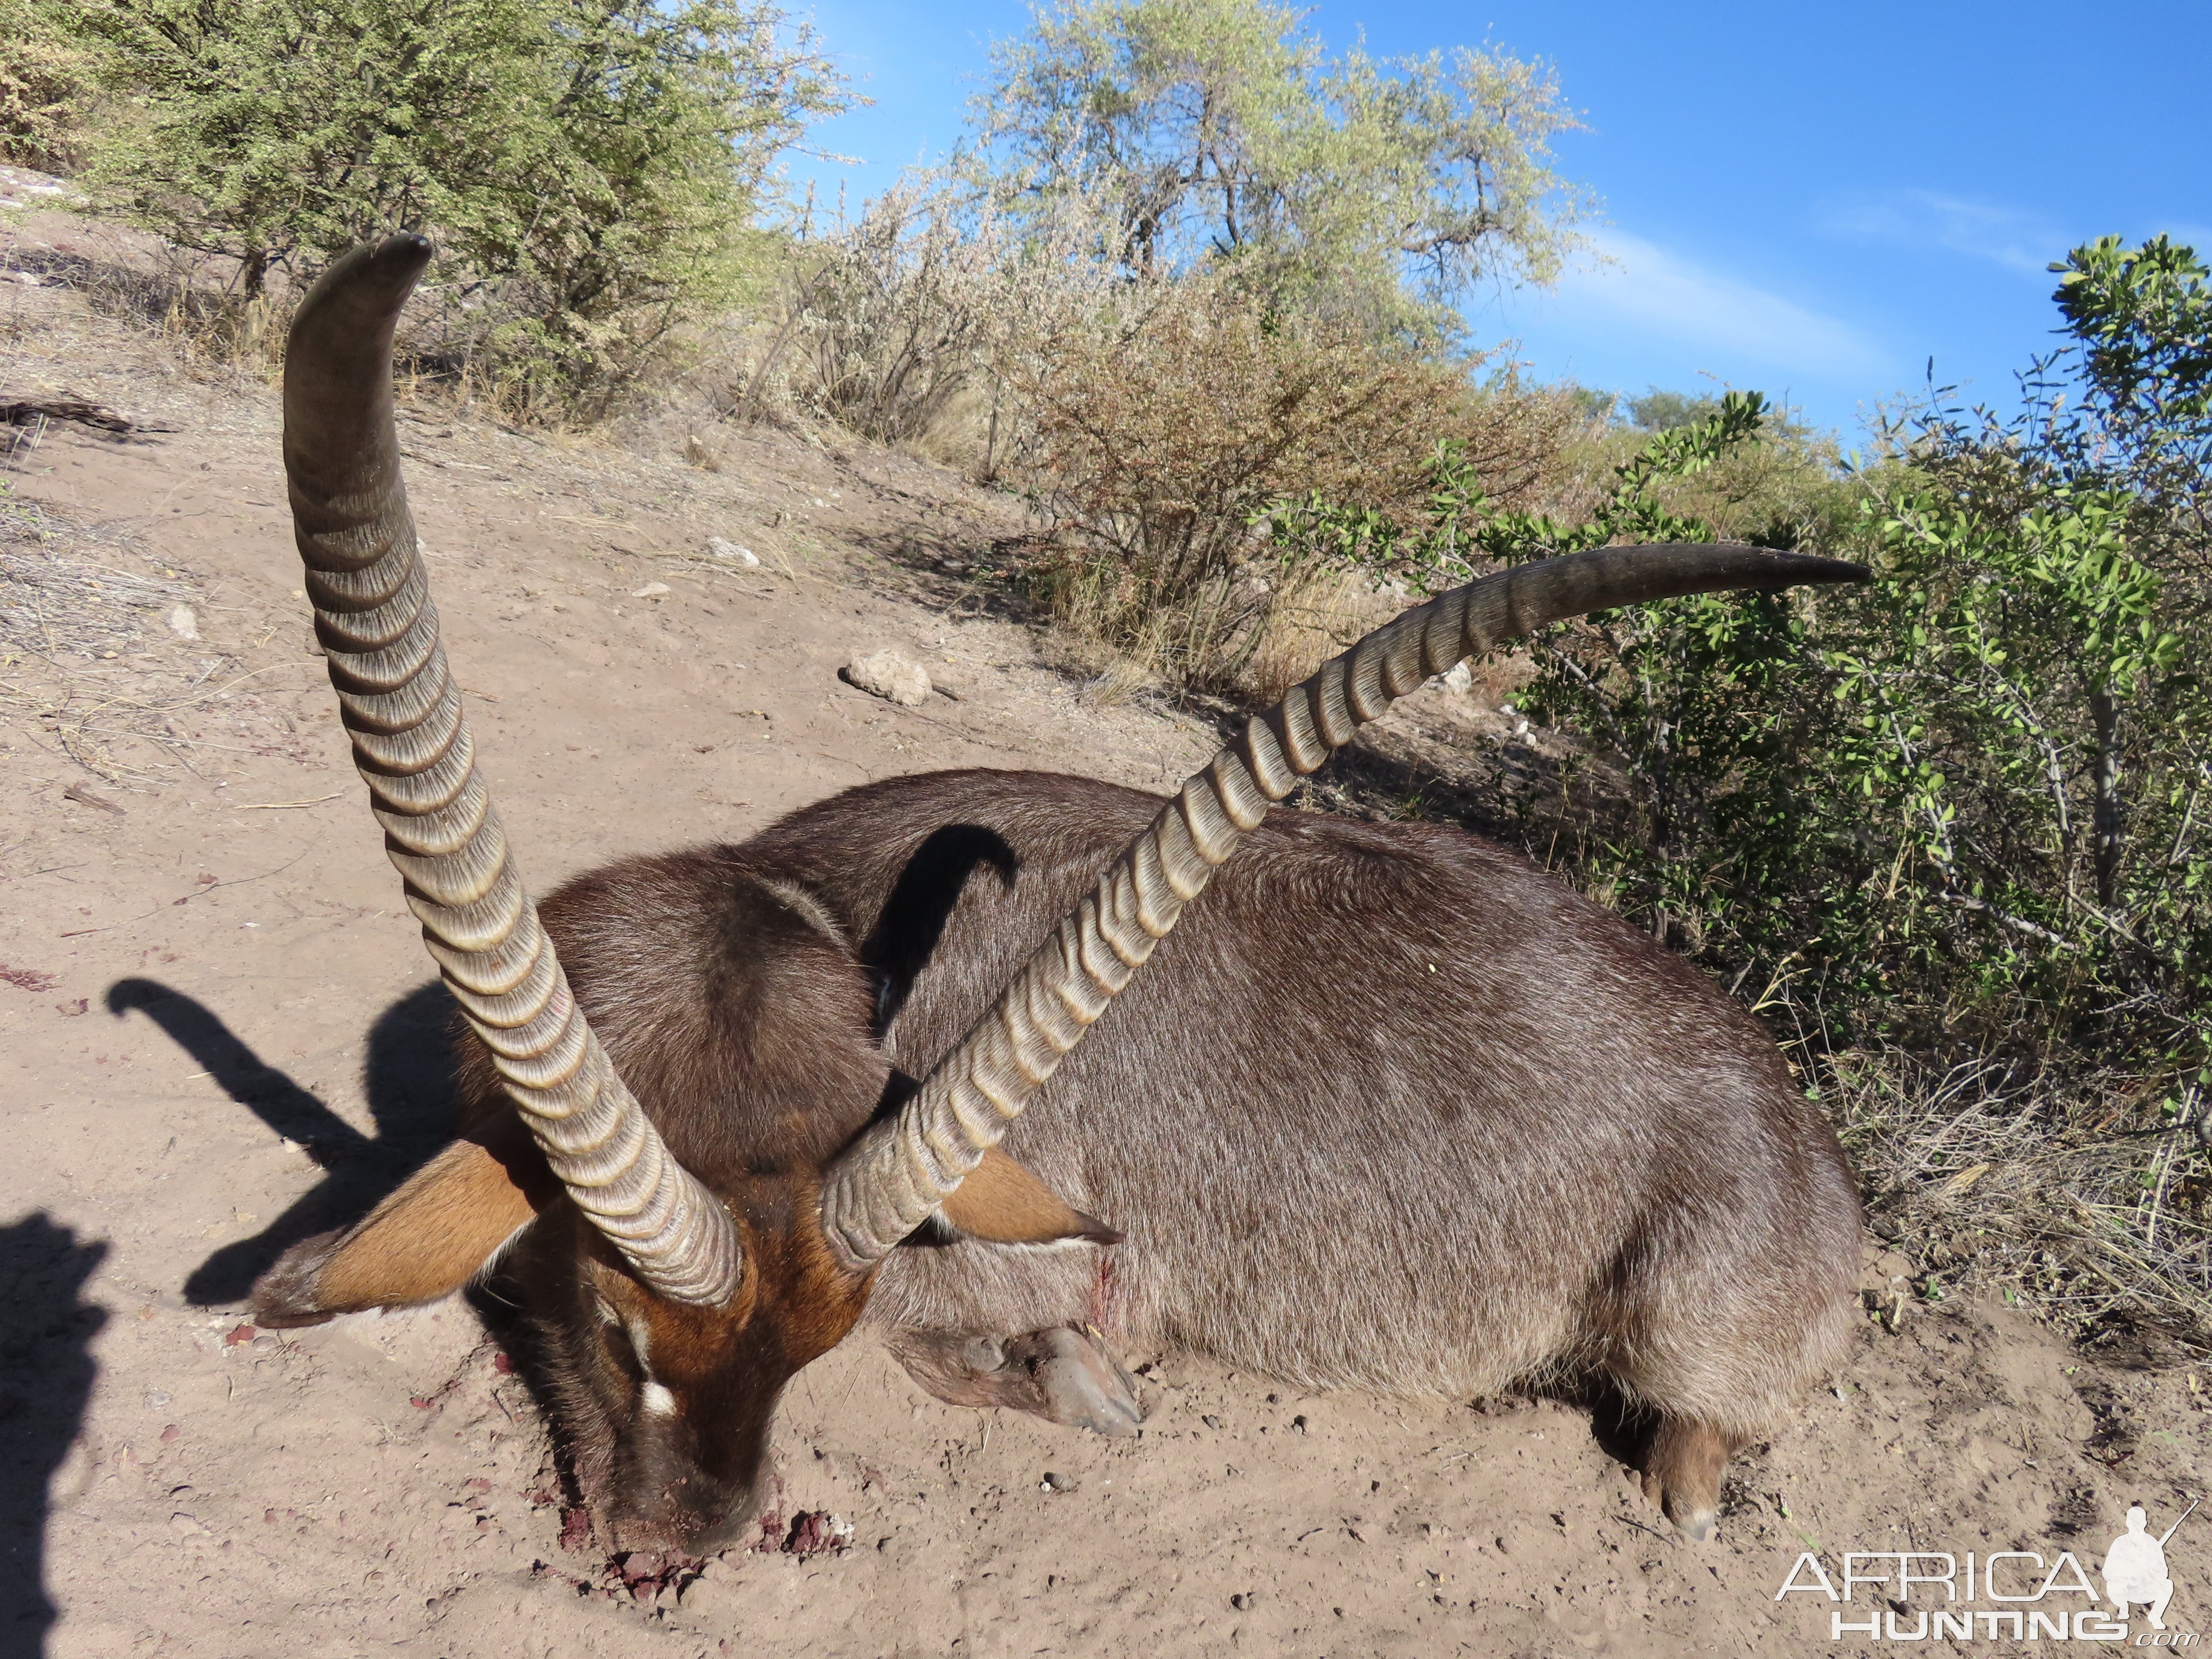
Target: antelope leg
[(1064, 1374)]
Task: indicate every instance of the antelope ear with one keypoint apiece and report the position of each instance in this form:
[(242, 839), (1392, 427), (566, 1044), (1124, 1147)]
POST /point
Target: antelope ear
[(426, 1241), (1002, 1203)]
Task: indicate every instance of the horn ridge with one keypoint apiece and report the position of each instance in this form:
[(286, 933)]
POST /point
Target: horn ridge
[(902, 1168), (404, 712)]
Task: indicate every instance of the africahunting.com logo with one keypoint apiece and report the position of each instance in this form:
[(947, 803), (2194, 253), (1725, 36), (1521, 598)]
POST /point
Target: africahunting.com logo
[(1918, 1595)]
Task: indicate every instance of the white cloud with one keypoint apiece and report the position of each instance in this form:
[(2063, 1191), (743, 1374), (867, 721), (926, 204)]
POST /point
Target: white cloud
[(2020, 241), (1664, 297)]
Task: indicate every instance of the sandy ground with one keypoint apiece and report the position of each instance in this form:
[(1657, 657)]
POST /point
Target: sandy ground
[(217, 1028)]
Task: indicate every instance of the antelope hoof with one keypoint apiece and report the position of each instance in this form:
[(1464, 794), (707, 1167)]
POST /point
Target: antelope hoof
[(1076, 1381), (1064, 1375), (1682, 1474)]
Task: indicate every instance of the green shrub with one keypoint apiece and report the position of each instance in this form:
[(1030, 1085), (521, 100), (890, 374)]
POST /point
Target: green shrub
[(1951, 823), (590, 167), (46, 87)]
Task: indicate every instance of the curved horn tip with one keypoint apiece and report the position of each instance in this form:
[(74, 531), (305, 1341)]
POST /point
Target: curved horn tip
[(1814, 568), (1771, 567), (365, 287)]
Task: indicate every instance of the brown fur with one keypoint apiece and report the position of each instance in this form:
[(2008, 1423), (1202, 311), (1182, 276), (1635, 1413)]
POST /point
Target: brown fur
[(1064, 1374), (431, 1237), (1682, 1473)]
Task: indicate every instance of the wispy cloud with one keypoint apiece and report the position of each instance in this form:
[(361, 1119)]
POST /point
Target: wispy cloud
[(2018, 241), (1665, 297)]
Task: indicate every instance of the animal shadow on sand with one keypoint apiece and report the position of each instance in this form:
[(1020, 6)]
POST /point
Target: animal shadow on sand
[(409, 1085), (410, 1070), (46, 1370)]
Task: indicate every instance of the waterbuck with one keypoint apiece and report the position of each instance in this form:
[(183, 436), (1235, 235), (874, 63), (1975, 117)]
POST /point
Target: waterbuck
[(1391, 1109)]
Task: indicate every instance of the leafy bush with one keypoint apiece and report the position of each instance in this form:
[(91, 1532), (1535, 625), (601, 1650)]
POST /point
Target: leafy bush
[(1950, 824), (1962, 801), (589, 166), (1660, 411), (46, 88)]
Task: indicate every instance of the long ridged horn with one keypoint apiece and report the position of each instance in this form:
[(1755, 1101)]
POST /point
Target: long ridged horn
[(904, 1166), (379, 632)]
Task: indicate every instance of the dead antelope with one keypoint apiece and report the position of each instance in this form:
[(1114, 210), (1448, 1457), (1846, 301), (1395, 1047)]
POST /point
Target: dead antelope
[(1390, 1109)]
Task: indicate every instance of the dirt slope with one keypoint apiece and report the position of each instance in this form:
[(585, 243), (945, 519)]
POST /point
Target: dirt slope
[(214, 1026)]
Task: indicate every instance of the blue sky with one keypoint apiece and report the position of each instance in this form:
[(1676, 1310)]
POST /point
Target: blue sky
[(1808, 201)]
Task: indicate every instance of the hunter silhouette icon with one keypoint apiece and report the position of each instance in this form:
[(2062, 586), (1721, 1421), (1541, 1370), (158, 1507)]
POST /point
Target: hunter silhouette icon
[(2134, 1566)]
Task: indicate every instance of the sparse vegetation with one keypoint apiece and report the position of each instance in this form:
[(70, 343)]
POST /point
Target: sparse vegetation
[(1193, 265), (1946, 830), (591, 168), (74, 601), (887, 323), (1163, 434), (1222, 134), (45, 86)]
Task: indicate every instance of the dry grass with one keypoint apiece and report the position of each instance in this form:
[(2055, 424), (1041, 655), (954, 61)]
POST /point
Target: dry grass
[(2090, 1199), (1310, 621)]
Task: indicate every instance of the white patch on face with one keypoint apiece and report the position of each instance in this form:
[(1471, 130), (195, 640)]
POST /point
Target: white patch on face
[(654, 1400)]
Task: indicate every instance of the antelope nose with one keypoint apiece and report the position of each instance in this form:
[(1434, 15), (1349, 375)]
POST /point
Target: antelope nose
[(727, 1533), (674, 1527)]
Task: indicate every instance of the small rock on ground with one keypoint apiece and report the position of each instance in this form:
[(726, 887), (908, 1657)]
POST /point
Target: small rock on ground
[(891, 675)]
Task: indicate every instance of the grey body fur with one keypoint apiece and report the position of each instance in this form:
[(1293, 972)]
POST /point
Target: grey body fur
[(1391, 1110)]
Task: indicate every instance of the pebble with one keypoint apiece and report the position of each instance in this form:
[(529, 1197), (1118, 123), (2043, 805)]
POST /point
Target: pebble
[(1459, 679), (182, 624), (891, 675), (1055, 1483), (650, 590), (720, 549), (157, 1398)]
